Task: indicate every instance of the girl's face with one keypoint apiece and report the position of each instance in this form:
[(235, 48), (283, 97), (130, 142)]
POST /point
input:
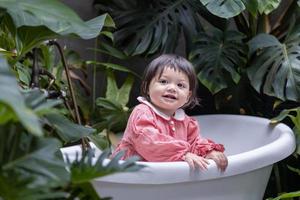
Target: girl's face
[(170, 91)]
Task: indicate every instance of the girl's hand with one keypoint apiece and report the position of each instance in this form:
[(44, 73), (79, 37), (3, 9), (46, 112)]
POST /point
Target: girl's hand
[(196, 161), (220, 159)]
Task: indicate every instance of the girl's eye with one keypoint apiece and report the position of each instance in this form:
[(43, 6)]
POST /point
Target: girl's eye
[(180, 85), (162, 81)]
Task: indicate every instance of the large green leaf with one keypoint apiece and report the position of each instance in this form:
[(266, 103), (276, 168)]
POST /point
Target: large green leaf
[(224, 8), (113, 115), (217, 56), (9, 186), (33, 158), (119, 95), (55, 15), (67, 130), (146, 27), (274, 69), (12, 102), (84, 169)]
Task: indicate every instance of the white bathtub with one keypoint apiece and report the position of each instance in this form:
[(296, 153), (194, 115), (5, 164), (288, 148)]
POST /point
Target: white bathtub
[(252, 146)]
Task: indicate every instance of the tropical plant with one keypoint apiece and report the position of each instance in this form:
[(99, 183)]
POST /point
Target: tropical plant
[(217, 37), (245, 52), (294, 115), (35, 123)]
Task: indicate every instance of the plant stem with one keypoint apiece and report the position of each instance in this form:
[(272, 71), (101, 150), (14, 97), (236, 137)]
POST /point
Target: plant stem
[(94, 77), (277, 178)]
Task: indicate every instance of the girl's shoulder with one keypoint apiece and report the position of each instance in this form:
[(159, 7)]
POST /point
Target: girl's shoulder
[(142, 109), (191, 121)]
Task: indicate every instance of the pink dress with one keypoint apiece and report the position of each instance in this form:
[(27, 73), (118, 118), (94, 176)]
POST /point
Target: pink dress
[(154, 136)]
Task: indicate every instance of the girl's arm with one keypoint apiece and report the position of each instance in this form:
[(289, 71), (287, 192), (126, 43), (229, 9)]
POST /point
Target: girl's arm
[(204, 148), (199, 145)]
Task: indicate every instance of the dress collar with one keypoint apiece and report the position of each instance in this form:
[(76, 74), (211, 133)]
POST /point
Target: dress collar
[(179, 114)]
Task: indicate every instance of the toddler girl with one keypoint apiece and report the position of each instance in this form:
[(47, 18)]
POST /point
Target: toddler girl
[(158, 129)]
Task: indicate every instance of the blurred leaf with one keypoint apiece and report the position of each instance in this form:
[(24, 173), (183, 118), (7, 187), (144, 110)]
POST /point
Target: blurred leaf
[(33, 158), (282, 115), (9, 186), (112, 66), (113, 115), (294, 170), (85, 168), (13, 99), (286, 195), (100, 140), (67, 130), (110, 50)]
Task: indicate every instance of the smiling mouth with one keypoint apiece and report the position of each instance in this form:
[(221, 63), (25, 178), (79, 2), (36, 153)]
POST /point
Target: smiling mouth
[(170, 97)]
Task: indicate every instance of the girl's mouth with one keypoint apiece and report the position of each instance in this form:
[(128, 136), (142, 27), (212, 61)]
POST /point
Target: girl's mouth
[(169, 96)]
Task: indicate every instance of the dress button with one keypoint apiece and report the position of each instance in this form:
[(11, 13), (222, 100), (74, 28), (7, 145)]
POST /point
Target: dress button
[(172, 122), (173, 129)]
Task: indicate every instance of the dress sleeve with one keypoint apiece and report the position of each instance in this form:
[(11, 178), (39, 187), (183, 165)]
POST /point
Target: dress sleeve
[(200, 146), (153, 145)]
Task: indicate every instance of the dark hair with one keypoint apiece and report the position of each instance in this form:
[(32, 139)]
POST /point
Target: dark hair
[(175, 62)]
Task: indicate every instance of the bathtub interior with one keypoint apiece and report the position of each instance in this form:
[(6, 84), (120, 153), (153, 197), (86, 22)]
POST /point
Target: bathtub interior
[(238, 134)]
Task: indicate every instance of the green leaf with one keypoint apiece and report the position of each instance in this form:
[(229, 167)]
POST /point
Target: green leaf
[(34, 158), (110, 50), (274, 68), (294, 170), (9, 186), (67, 130), (100, 141), (86, 168), (282, 115), (217, 56), (224, 8), (114, 116), (147, 27), (13, 99), (54, 15), (262, 41), (251, 6), (103, 66), (267, 6), (113, 93), (287, 195)]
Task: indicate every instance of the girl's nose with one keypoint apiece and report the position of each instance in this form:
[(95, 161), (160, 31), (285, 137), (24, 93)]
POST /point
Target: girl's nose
[(171, 87)]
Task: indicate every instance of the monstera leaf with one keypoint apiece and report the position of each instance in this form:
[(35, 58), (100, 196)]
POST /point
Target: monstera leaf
[(217, 57), (275, 68), (228, 9), (224, 8), (145, 27)]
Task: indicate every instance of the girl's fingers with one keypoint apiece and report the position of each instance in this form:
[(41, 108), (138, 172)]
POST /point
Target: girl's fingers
[(202, 163), (190, 162), (195, 161)]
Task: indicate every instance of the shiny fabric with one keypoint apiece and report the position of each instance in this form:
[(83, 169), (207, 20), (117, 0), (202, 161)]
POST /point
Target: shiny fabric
[(155, 137)]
